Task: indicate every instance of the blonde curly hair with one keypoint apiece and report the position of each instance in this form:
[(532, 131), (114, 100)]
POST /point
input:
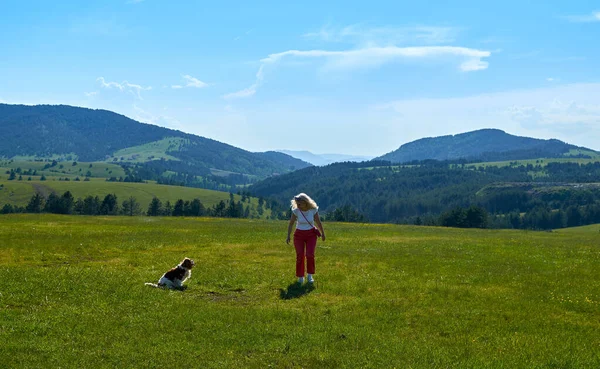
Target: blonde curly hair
[(304, 197)]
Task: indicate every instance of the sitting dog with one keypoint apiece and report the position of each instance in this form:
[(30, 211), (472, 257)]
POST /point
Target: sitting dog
[(175, 277)]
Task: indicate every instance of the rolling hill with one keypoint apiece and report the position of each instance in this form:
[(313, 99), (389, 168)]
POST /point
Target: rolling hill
[(484, 145), (73, 133)]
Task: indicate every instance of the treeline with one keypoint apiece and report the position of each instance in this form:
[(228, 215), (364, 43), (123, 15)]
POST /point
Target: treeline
[(427, 192), (544, 218), (540, 218), (110, 205)]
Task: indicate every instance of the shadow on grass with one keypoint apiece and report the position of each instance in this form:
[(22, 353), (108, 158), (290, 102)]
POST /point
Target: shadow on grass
[(181, 289), (295, 291)]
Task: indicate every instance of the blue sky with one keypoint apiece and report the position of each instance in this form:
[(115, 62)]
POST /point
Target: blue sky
[(329, 77)]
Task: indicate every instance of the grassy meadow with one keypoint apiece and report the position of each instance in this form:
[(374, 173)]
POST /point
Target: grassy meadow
[(73, 295), (65, 169), (20, 192), (541, 162), (151, 151)]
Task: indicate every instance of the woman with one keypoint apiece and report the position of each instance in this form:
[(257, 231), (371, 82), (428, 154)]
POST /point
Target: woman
[(305, 215)]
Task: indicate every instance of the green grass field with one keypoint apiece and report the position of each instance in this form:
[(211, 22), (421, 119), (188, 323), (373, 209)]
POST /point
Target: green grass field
[(73, 295)]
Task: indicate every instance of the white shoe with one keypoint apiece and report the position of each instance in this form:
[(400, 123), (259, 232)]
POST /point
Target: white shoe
[(300, 280), (311, 279)]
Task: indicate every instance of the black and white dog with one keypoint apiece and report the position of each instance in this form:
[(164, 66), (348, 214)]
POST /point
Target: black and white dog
[(175, 277)]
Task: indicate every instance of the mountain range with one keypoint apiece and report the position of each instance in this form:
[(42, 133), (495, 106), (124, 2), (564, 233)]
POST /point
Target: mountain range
[(73, 133)]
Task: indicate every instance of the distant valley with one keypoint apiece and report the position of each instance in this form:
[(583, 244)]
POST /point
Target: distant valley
[(324, 159)]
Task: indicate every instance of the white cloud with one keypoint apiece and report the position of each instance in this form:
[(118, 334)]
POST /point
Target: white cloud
[(360, 34), (91, 94), (191, 82), (592, 17), (247, 92), (376, 56), (124, 87), (372, 57)]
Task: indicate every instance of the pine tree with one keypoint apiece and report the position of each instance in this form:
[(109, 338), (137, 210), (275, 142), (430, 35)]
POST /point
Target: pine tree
[(36, 204), (155, 207)]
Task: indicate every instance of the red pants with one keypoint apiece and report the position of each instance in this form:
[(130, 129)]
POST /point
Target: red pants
[(305, 243)]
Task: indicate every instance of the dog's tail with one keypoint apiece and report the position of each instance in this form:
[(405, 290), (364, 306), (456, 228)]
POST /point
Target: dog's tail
[(152, 285)]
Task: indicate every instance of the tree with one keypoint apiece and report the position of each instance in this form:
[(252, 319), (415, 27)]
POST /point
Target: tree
[(131, 207), (168, 209), (219, 209), (476, 217), (232, 210), (91, 205), (197, 208), (179, 208), (7, 209), (66, 203), (155, 207), (36, 204), (109, 205), (347, 214), (59, 204), (52, 203), (454, 218)]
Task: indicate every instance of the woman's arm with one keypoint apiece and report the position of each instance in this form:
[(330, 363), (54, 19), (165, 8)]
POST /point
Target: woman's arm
[(290, 226), (320, 225)]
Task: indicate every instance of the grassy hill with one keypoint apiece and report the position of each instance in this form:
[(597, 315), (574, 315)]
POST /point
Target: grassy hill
[(84, 179), (386, 296), (20, 192)]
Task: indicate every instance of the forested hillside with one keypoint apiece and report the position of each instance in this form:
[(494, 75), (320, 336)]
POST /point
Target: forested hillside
[(408, 194), (96, 135), (483, 145)]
